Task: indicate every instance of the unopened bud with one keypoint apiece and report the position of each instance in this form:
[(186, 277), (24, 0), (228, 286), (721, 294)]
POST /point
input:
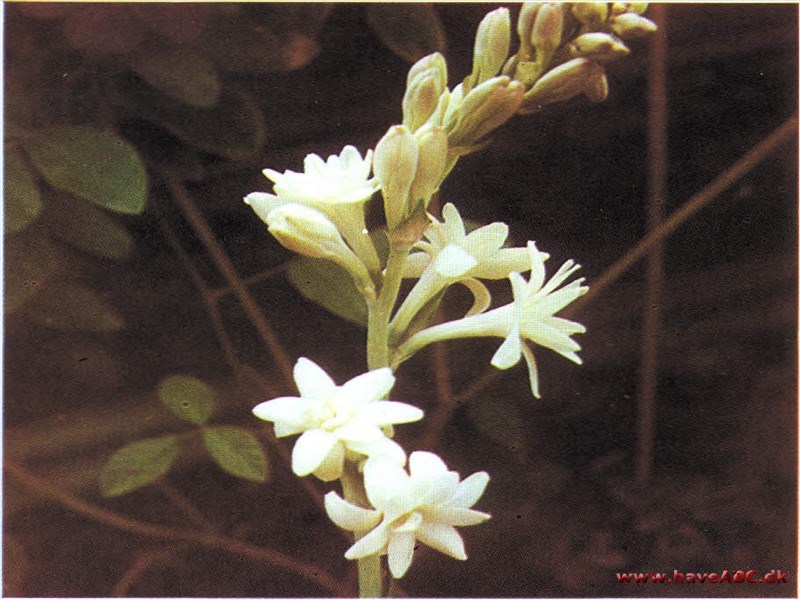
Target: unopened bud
[(485, 108), (547, 30), (305, 230), (597, 87), (562, 83), (527, 17), (432, 142), (631, 25), (638, 7), (421, 99), (395, 165), (600, 47), (591, 14), (491, 45), (434, 63)]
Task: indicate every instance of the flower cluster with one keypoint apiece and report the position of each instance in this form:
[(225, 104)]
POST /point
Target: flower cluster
[(345, 431)]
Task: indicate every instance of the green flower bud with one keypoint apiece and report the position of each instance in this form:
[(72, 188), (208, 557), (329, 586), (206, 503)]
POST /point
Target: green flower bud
[(432, 143), (527, 17), (491, 46), (395, 166), (562, 83), (547, 30), (591, 14), (421, 99), (485, 108), (597, 87), (433, 63), (638, 7), (630, 25), (600, 47)]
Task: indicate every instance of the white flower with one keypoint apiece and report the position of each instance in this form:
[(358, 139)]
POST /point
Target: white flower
[(531, 317), (338, 188), (336, 421), (450, 254), (426, 505)]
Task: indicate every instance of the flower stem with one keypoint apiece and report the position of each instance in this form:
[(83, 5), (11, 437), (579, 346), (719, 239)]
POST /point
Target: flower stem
[(370, 581), (380, 311)]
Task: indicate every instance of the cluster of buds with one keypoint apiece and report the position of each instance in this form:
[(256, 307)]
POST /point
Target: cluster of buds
[(346, 431)]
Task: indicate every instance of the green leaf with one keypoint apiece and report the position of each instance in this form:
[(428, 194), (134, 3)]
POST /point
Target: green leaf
[(30, 260), (500, 420), (86, 227), (96, 165), (233, 128), (72, 307), (239, 44), (137, 464), (409, 30), (184, 75), (188, 397), (330, 286), (23, 202), (237, 451)]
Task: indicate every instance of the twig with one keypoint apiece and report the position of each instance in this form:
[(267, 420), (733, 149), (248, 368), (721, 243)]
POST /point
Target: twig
[(172, 534), (751, 158), (253, 279), (139, 568), (657, 174), (185, 505), (229, 273)]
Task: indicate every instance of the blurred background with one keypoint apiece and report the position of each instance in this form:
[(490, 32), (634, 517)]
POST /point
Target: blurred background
[(132, 134)]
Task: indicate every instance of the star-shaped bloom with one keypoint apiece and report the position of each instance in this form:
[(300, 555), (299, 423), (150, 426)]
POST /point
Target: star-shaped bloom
[(338, 188), (449, 254), (335, 422), (530, 318), (426, 505)]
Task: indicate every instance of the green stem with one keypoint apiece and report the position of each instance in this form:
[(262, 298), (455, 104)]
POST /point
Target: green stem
[(370, 581), (380, 311)]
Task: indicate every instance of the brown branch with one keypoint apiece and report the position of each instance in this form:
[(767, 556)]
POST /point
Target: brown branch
[(172, 534), (224, 265), (186, 506), (253, 279), (781, 135), (139, 567), (657, 176)]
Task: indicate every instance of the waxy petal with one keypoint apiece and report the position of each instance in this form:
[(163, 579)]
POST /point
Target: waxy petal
[(368, 387), (290, 409), (453, 261), (349, 516), (426, 465), (372, 543), (401, 552), (385, 479), (391, 413), (533, 371), (311, 449), (443, 538), (312, 380), (470, 490), (508, 354), (458, 517)]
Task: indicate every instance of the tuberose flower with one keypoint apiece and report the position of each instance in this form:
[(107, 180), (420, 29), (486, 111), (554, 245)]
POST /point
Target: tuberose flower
[(338, 188), (337, 421), (426, 505), (449, 254), (530, 318)]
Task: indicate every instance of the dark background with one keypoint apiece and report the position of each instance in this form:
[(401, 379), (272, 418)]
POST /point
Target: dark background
[(567, 512)]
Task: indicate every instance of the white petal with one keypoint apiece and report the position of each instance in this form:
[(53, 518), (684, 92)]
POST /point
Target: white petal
[(508, 353), (359, 432), (290, 414), (312, 380), (415, 264), (471, 489), (411, 524), (519, 288), (426, 465), (486, 240), (285, 428), (453, 225), (367, 387), (452, 515), (384, 447), (263, 203), (331, 468), (482, 299), (503, 262), (401, 552), (554, 302), (436, 490), (384, 480), (390, 413), (372, 543), (350, 158), (536, 266), (453, 261), (443, 538), (314, 165), (311, 449), (533, 372), (349, 516)]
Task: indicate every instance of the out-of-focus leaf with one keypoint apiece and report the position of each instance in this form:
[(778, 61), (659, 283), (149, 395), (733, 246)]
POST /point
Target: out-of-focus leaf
[(103, 28), (306, 18), (86, 227), (187, 76), (237, 451), (29, 261), (177, 21), (137, 464), (72, 307), (23, 202), (234, 128), (239, 44), (409, 30), (330, 286), (90, 163), (188, 397), (500, 420)]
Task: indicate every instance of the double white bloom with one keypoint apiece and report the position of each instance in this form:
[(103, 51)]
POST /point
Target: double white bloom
[(531, 317), (338, 422), (426, 505)]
